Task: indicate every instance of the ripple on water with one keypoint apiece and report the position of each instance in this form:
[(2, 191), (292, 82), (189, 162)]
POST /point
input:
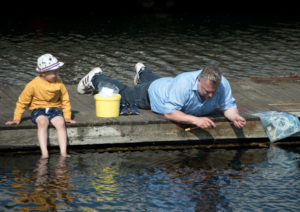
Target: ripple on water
[(179, 180), (242, 51)]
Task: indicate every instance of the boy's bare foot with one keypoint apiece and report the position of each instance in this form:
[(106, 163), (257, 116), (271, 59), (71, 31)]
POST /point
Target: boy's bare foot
[(44, 156), (66, 155)]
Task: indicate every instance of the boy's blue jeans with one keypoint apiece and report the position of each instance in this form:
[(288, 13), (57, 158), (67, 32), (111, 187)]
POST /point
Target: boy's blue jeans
[(130, 95)]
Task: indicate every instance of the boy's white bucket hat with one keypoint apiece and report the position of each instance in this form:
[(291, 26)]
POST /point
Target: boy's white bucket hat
[(48, 62)]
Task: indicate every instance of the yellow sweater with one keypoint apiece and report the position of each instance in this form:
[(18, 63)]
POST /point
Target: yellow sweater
[(39, 93)]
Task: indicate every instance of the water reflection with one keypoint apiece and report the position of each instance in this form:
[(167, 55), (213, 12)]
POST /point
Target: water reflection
[(105, 184), (50, 191), (178, 180), (207, 184), (273, 185)]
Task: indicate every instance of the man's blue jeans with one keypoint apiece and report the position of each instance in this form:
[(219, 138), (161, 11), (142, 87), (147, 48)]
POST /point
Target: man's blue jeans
[(130, 95)]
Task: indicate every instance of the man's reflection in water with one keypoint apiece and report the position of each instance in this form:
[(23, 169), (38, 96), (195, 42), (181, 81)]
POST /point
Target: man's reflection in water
[(52, 189), (207, 178)]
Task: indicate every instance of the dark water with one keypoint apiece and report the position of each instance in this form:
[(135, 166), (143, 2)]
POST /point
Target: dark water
[(167, 44), (181, 180), (187, 180)]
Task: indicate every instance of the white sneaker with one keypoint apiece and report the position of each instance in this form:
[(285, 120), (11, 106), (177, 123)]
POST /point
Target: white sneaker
[(138, 68), (86, 82)]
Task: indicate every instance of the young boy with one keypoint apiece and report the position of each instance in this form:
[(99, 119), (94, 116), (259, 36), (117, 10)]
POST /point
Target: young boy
[(48, 99)]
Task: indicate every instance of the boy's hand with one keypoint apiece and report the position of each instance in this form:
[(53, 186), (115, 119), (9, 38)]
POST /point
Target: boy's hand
[(17, 122), (70, 121)]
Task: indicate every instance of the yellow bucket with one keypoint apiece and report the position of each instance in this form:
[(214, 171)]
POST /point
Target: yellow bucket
[(107, 107)]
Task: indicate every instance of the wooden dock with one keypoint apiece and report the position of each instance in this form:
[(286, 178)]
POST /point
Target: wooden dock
[(150, 130)]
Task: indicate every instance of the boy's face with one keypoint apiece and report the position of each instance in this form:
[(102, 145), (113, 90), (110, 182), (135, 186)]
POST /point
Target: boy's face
[(50, 76)]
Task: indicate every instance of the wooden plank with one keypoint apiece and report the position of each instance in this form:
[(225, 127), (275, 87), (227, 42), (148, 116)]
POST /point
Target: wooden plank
[(283, 93), (272, 79), (290, 110), (285, 104), (148, 126)]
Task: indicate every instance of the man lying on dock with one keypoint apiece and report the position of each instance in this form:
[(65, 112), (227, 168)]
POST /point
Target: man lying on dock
[(187, 98)]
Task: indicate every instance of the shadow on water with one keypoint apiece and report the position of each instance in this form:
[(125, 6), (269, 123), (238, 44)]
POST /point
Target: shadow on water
[(178, 180)]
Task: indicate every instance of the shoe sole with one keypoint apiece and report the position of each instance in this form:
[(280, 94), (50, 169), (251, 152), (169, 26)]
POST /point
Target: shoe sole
[(136, 79), (93, 71), (137, 75)]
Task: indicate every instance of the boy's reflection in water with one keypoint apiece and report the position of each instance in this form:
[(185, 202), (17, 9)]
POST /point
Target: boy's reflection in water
[(51, 188), (42, 173)]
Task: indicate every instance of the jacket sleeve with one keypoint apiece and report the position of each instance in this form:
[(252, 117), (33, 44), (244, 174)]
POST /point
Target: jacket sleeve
[(65, 102), (24, 101)]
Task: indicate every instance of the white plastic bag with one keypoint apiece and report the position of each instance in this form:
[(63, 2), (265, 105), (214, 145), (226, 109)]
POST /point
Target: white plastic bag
[(107, 89)]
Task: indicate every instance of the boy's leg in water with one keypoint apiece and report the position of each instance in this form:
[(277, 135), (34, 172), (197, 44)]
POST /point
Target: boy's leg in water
[(42, 124), (59, 123)]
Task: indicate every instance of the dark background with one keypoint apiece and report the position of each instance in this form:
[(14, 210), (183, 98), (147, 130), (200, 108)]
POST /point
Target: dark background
[(13, 12)]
